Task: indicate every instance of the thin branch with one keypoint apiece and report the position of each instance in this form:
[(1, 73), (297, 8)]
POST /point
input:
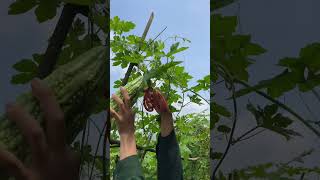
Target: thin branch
[(87, 138), (307, 107), (82, 146), (235, 118), (282, 106), (219, 82), (145, 152), (182, 104), (198, 95), (104, 151), (316, 94), (244, 134), (96, 152), (95, 125), (252, 135), (58, 37)]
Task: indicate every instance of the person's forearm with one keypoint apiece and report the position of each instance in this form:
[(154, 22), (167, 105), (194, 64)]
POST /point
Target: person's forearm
[(166, 125), (127, 146)]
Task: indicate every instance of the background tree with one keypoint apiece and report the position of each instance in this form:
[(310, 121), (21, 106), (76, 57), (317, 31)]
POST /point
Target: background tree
[(231, 55)]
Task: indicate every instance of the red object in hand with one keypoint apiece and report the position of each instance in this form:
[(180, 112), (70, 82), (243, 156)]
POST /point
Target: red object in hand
[(153, 99)]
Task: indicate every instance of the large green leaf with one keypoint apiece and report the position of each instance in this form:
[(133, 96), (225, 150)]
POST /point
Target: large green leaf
[(276, 86), (156, 72), (46, 10), (174, 49), (269, 118), (120, 26), (21, 6), (22, 78), (223, 25), (26, 65)]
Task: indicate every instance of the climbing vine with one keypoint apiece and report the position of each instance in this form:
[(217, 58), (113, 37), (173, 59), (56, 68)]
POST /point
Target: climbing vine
[(148, 54), (232, 54)]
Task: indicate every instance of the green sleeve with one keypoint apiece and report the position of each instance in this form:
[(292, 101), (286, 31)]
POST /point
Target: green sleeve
[(128, 169), (169, 158)]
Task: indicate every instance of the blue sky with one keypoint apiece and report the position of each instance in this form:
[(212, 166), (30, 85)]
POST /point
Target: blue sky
[(186, 18)]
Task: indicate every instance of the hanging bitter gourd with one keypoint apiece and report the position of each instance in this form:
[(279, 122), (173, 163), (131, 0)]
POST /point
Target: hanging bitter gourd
[(139, 85), (134, 89), (78, 86)]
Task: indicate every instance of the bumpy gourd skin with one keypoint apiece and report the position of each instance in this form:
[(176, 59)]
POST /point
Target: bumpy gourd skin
[(78, 86), (134, 88)]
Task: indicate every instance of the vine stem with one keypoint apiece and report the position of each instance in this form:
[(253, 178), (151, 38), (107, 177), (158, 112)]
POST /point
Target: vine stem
[(281, 105), (252, 135), (96, 152), (230, 137), (230, 80), (197, 95), (243, 135), (316, 94)]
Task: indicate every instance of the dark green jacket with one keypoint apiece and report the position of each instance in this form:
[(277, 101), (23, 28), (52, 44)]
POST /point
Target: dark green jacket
[(169, 165)]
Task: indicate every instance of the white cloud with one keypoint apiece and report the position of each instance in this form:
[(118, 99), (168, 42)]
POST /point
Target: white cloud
[(195, 108)]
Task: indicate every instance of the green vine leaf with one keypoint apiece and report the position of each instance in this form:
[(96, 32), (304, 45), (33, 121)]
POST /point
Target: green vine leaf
[(119, 26), (46, 10), (26, 65), (21, 6), (22, 78), (269, 118), (174, 49)]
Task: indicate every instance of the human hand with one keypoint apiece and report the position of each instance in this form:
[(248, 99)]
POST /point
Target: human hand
[(51, 158), (125, 117), (125, 123), (153, 99)]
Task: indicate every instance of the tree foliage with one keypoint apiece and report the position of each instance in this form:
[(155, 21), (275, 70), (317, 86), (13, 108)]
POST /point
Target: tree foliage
[(151, 54), (231, 56)]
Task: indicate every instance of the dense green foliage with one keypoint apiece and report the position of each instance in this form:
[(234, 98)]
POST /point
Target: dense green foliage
[(192, 129), (87, 31), (231, 56)]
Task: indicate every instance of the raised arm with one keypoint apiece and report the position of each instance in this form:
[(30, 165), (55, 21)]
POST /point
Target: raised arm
[(129, 167), (168, 152)]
